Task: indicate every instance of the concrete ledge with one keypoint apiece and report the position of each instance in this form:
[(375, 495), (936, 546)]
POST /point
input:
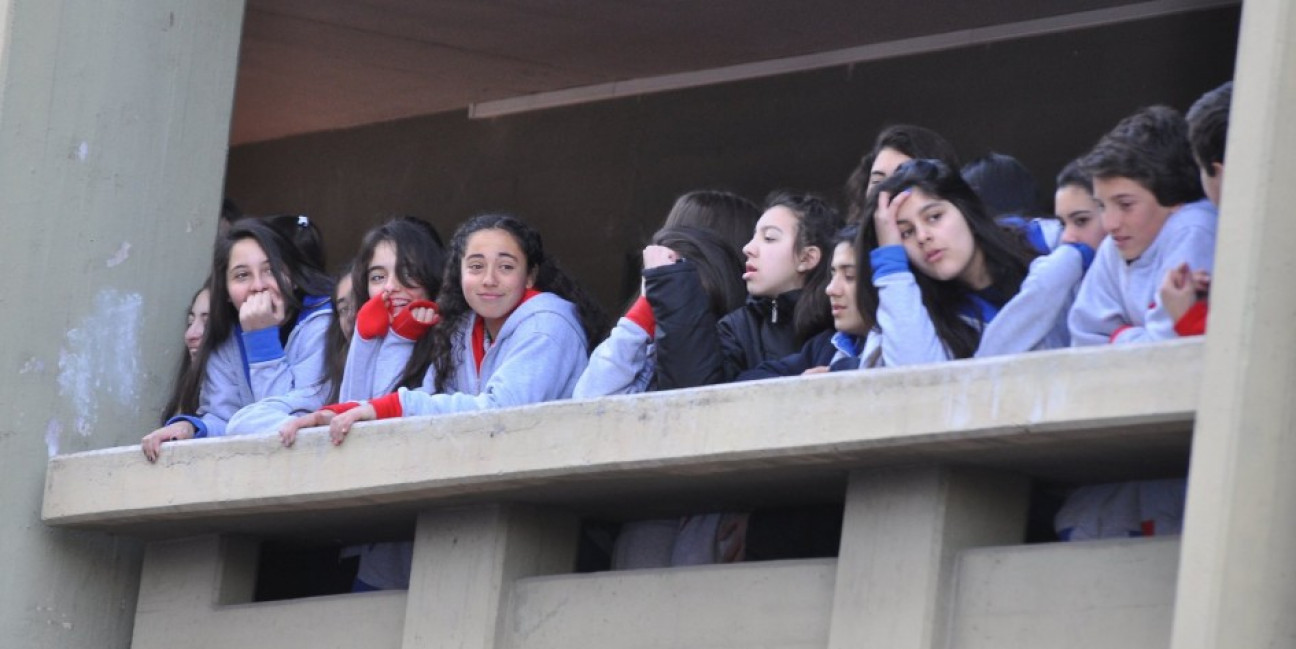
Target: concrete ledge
[(1097, 413), (1116, 593), (334, 621), (772, 604)]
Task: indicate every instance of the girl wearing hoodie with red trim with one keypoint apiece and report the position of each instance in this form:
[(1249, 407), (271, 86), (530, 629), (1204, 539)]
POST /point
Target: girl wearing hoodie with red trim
[(514, 329)]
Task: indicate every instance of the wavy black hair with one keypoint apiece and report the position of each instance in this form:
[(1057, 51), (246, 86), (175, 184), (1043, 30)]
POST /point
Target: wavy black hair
[(549, 277), (1007, 254), (421, 260), (914, 141)]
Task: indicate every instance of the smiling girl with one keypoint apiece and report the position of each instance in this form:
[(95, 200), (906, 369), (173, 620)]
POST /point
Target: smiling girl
[(184, 396), (265, 336), (949, 282), (514, 329), (388, 347)]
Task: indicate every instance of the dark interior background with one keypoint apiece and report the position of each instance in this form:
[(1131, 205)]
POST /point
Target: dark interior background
[(597, 179)]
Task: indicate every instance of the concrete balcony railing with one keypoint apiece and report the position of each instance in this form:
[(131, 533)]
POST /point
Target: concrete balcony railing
[(934, 464)]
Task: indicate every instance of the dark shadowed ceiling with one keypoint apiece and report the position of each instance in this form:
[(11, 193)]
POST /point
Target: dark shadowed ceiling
[(315, 65)]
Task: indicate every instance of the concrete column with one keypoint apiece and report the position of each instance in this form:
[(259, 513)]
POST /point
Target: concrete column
[(1236, 585), (182, 583), (114, 122), (901, 533), (465, 563)]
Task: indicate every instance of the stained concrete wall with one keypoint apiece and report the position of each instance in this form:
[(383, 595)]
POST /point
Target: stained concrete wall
[(113, 123), (598, 179), (1240, 528)]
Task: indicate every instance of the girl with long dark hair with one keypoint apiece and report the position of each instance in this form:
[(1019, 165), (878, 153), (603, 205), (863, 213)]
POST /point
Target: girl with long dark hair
[(511, 328), (949, 282), (265, 337), (625, 362)]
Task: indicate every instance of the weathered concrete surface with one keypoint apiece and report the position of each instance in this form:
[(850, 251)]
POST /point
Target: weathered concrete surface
[(466, 562), (1074, 409), (1115, 593), (1238, 586), (782, 604), (114, 118), (903, 530), (194, 593)]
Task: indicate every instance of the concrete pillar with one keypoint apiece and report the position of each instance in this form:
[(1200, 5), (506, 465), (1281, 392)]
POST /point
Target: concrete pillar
[(182, 582), (902, 531), (465, 564), (114, 121), (1236, 581)]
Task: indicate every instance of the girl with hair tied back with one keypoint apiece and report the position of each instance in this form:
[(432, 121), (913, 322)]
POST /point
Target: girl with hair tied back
[(785, 272), (270, 311), (389, 348)]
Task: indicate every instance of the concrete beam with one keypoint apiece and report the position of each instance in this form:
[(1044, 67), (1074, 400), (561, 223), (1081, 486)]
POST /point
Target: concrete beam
[(1084, 403)]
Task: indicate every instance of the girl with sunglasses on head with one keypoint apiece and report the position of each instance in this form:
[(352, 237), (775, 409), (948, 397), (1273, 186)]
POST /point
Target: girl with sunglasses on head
[(949, 282)]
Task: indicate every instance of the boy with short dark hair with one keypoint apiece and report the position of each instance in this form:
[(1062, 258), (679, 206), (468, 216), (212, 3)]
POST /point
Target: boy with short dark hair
[(1145, 180), (1184, 290)]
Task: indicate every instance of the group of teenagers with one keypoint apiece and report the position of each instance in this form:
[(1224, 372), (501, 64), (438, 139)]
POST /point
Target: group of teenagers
[(951, 268)]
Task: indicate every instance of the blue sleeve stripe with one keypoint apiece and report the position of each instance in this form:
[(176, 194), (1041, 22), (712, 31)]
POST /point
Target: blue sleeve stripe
[(888, 260), (1086, 254), (263, 345), (200, 427)]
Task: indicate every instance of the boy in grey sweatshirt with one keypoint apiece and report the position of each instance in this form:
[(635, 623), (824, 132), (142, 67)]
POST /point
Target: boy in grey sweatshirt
[(1146, 181)]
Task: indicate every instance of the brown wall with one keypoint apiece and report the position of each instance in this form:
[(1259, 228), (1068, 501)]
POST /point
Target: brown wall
[(598, 179)]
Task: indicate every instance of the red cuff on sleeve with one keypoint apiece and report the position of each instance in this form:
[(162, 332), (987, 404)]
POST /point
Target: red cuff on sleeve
[(641, 314), (1119, 330), (387, 406), (409, 328), (372, 320), (1193, 322), (339, 408)]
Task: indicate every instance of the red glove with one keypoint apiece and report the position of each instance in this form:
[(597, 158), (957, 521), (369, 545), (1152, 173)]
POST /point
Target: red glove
[(408, 327), (387, 406), (641, 314), (1193, 322), (372, 319), (339, 408)]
